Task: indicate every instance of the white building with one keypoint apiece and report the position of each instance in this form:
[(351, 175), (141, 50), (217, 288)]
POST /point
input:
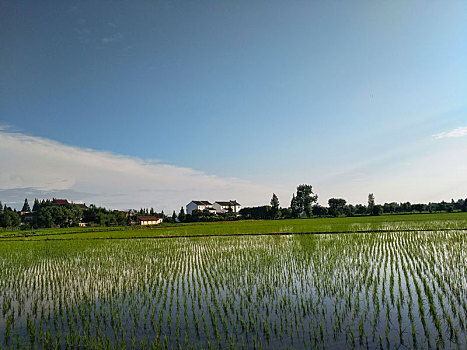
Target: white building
[(223, 207), (199, 205), (149, 220)]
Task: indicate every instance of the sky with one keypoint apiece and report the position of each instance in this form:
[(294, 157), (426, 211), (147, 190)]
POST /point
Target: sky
[(156, 103)]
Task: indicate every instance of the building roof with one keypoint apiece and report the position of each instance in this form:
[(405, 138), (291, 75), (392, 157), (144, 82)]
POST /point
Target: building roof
[(201, 202), (234, 203), (60, 201), (149, 218)]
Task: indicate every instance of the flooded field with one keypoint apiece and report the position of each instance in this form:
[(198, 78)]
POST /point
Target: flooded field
[(334, 291)]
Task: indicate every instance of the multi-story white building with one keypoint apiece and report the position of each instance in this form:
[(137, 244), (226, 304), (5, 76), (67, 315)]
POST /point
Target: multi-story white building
[(199, 205), (223, 206)]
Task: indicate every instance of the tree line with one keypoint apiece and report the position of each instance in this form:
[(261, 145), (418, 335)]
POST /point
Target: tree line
[(46, 215), (304, 205), (8, 217)]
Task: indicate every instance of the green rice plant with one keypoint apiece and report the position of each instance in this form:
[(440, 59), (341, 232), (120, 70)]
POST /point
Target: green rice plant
[(286, 291)]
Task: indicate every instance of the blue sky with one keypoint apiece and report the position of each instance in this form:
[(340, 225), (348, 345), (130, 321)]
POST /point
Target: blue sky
[(260, 95)]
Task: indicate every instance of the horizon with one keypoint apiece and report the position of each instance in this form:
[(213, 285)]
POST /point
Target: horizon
[(159, 104), (70, 201)]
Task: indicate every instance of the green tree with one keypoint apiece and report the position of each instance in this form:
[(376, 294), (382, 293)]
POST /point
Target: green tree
[(26, 206), (9, 218), (407, 207), (228, 215), (286, 213), (256, 213), (275, 212), (196, 215), (371, 203), (181, 215), (15, 219), (336, 206), (36, 206), (305, 199), (274, 201), (295, 207), (120, 217), (377, 210), (6, 219), (419, 207), (318, 210), (174, 217), (349, 210), (392, 207), (464, 205)]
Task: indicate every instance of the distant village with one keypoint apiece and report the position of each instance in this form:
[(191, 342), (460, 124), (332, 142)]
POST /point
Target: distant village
[(64, 213)]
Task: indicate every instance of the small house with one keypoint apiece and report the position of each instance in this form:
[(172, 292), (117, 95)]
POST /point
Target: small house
[(148, 220)]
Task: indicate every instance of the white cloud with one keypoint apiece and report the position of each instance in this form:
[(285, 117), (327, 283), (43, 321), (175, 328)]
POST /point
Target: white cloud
[(458, 132), (35, 166)]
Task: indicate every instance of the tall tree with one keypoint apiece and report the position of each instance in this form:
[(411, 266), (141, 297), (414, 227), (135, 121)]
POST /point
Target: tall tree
[(181, 215), (5, 219), (275, 212), (274, 201), (36, 206), (174, 216), (371, 203), (295, 207), (26, 206), (305, 199)]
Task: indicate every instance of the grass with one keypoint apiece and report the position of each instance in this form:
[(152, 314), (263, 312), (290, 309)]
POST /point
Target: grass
[(346, 224)]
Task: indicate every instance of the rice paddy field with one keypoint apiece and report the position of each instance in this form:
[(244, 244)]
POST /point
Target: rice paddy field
[(388, 290), (316, 225)]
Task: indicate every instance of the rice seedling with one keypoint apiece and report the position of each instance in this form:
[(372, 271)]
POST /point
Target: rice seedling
[(356, 290)]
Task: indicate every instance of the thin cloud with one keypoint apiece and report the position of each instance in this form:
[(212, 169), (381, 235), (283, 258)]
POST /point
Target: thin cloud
[(458, 132), (113, 38), (42, 166)]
